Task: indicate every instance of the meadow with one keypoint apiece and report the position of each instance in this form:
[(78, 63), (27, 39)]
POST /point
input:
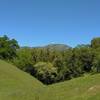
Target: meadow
[(18, 85)]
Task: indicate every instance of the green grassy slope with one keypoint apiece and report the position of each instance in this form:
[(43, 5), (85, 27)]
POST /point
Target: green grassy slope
[(83, 88), (17, 85)]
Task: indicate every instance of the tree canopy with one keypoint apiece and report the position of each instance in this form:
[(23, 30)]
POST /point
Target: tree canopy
[(53, 65), (8, 47)]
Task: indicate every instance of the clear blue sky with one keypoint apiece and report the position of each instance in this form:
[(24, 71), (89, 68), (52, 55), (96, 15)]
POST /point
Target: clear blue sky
[(40, 22)]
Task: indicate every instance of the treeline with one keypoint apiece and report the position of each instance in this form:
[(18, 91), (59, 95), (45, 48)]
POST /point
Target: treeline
[(51, 66)]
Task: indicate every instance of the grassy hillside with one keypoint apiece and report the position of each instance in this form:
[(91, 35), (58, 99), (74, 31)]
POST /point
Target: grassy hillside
[(83, 88), (17, 85)]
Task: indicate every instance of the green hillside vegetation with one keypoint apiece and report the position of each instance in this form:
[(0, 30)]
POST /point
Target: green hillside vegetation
[(18, 85), (55, 62), (49, 66)]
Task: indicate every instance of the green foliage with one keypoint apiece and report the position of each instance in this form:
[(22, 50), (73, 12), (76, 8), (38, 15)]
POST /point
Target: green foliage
[(53, 63), (84, 56), (8, 48), (24, 60), (96, 62), (45, 72), (95, 43)]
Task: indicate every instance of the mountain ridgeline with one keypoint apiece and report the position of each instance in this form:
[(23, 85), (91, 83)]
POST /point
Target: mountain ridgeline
[(56, 47), (59, 47)]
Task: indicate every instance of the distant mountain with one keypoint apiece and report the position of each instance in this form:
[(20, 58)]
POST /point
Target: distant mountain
[(60, 47)]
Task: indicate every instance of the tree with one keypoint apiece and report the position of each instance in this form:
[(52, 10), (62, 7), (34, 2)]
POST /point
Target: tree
[(24, 60), (95, 43), (96, 64), (84, 55), (96, 61), (70, 66), (45, 72), (8, 48)]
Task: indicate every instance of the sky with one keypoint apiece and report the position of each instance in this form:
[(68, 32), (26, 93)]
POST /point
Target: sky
[(42, 22)]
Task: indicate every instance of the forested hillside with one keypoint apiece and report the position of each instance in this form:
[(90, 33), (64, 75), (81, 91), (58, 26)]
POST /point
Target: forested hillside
[(53, 63)]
